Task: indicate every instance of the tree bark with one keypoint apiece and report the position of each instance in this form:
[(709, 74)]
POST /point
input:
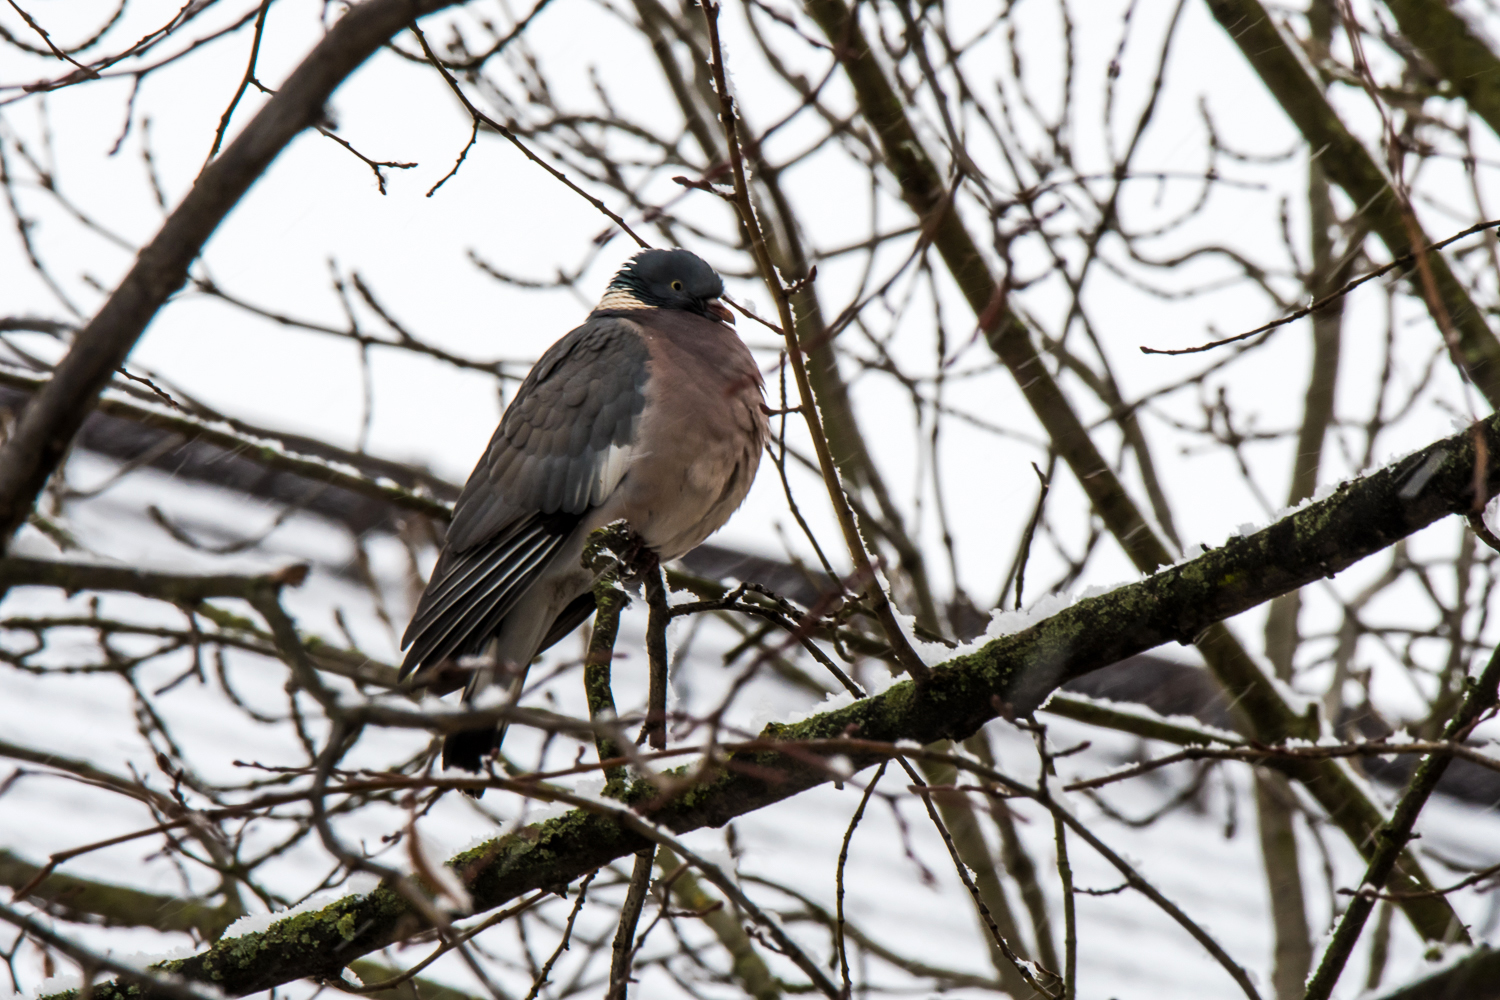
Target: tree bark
[(32, 452), (1261, 707), (1014, 673), (1350, 166)]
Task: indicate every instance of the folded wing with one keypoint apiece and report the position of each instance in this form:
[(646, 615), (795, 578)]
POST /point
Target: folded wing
[(561, 449)]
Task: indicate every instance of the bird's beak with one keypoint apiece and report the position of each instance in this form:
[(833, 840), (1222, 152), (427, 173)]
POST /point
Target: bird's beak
[(719, 311)]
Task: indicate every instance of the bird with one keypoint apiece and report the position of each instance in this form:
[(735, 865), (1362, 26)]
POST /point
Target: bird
[(651, 412)]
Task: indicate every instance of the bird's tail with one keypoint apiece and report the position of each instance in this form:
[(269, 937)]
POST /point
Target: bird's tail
[(467, 748)]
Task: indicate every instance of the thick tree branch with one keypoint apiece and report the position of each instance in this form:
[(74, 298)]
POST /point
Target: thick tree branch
[(1014, 673), (81, 899), (1394, 834), (1349, 165), (40, 439), (156, 984), (113, 905), (1455, 51), (1262, 711), (1476, 977)]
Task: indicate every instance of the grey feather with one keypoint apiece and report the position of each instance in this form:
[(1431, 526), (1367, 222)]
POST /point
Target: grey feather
[(458, 615), (561, 448), (585, 395), (493, 596), (651, 412)]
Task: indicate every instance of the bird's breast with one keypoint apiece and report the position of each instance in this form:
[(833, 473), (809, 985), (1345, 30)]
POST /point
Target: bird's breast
[(698, 442)]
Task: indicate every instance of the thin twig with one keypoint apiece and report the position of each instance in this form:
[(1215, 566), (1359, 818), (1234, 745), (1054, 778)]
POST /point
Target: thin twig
[(623, 949), (567, 936), (654, 732), (1405, 259), (1393, 835), (88, 71), (480, 116), (838, 880), (864, 570), (1023, 553), (1064, 866), (374, 165), (1269, 754), (245, 81), (1027, 971)]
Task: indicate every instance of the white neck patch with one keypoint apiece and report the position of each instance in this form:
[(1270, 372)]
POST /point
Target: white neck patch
[(621, 298)]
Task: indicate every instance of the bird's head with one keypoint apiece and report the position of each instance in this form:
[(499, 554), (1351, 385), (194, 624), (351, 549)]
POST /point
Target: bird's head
[(668, 279)]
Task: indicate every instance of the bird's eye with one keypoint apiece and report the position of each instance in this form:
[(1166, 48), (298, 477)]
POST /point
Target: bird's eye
[(676, 286)]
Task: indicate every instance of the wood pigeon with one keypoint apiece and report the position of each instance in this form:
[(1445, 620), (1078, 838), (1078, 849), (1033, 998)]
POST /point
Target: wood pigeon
[(652, 412)]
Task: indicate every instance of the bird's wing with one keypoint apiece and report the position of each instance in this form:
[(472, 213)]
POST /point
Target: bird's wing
[(561, 448), (564, 443)]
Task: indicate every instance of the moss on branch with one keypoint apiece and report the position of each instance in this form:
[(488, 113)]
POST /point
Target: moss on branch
[(1262, 710), (1011, 673)]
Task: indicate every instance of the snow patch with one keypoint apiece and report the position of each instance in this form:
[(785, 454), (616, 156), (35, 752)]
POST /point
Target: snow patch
[(256, 923)]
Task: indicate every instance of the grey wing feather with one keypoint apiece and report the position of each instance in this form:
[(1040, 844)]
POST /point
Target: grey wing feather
[(561, 448), (564, 442), (472, 592)]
